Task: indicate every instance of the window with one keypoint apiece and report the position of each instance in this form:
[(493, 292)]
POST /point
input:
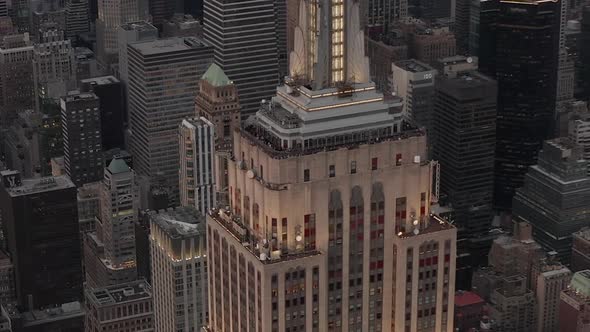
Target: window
[(332, 171), (353, 167), (306, 175), (374, 163), (398, 159), (226, 130)]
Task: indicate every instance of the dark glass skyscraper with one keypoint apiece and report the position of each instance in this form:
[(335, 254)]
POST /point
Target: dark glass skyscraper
[(244, 35), (465, 126), (40, 220), (527, 43)]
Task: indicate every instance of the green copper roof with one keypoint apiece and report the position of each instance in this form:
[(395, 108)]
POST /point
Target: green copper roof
[(118, 166), (215, 76), (581, 282)]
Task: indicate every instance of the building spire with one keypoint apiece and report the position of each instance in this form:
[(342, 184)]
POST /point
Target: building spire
[(329, 44)]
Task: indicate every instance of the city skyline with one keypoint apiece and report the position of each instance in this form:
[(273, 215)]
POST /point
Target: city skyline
[(294, 165)]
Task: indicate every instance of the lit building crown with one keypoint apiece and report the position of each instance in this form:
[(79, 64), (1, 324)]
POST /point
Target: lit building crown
[(329, 44)]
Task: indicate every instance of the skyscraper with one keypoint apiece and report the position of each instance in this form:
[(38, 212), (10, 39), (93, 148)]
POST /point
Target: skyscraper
[(81, 126), (40, 221), (162, 10), (197, 164), (179, 276), (555, 196), (173, 65), (413, 81), (16, 76), (77, 20), (243, 34), (382, 14), (579, 132), (109, 91), (128, 33), (465, 129), (111, 15), (218, 102), (526, 89), (110, 251), (53, 65), (329, 221)]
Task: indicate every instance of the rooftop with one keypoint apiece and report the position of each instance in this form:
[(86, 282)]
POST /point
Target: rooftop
[(258, 247), (39, 185), (215, 76), (196, 122), (77, 95), (118, 166), (583, 233), (122, 293), (89, 190), (167, 45), (102, 80), (65, 311), (413, 66), (179, 222), (138, 26), (463, 299), (581, 282), (271, 146)]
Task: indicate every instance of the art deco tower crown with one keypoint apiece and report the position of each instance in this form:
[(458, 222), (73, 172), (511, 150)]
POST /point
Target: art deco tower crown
[(329, 44)]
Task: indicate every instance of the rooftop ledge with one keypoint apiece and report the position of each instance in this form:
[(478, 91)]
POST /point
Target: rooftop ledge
[(233, 225), (271, 145)]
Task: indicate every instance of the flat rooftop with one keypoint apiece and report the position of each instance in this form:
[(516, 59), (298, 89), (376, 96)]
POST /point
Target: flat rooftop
[(39, 185), (138, 26), (413, 66), (167, 45), (65, 311), (102, 80), (179, 222), (75, 96), (117, 294)]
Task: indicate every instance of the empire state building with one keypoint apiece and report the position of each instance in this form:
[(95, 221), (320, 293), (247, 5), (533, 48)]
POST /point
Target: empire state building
[(329, 225), (329, 44)]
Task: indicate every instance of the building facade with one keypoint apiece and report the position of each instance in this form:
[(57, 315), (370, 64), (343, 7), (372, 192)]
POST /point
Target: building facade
[(328, 221), (110, 254), (526, 91), (153, 118), (574, 306), (413, 81), (119, 308), (40, 221), (111, 15), (555, 196), (579, 132), (550, 283), (53, 65), (581, 250), (81, 126), (77, 18), (16, 76), (109, 91), (178, 252), (218, 102), (244, 36), (464, 133), (197, 164), (128, 33)]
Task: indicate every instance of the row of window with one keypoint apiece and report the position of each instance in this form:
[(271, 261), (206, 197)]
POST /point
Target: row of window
[(353, 167)]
